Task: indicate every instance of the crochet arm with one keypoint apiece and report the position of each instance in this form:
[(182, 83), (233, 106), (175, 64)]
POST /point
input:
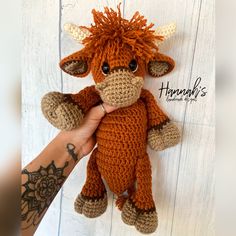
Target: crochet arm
[(66, 111), (162, 133), (156, 117), (85, 99)]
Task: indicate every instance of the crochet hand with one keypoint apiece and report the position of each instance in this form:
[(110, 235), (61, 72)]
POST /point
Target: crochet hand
[(61, 113), (168, 136)]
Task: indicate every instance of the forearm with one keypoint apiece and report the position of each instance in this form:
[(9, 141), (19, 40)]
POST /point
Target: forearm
[(44, 177)]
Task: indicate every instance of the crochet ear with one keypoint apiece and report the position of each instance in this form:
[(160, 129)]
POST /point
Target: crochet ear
[(76, 64), (160, 65)]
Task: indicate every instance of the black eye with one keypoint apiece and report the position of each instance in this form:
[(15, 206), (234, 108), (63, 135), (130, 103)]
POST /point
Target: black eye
[(133, 65), (105, 68)]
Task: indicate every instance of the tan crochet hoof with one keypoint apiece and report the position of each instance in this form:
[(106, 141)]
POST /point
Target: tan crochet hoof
[(147, 222), (155, 140), (171, 134), (129, 214), (144, 222), (91, 208), (59, 112), (167, 137)]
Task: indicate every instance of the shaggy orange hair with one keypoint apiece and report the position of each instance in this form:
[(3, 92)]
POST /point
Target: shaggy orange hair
[(111, 31)]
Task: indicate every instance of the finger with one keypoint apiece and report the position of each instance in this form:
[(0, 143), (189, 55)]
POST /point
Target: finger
[(109, 108)]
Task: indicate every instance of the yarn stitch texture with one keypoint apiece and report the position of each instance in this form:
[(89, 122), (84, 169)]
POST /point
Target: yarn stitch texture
[(120, 157)]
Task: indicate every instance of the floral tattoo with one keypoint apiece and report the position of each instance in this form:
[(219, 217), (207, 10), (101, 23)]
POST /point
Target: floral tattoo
[(40, 189)]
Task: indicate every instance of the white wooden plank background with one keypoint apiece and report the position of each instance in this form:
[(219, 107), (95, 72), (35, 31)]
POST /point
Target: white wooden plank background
[(183, 176)]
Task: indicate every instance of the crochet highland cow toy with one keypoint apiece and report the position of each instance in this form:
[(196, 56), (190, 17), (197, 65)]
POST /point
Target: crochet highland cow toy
[(118, 52)]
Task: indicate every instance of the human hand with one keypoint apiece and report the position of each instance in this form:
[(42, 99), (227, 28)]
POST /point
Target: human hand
[(82, 137)]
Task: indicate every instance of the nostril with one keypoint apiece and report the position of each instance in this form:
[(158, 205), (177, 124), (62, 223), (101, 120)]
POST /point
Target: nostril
[(133, 80), (101, 86), (137, 80)]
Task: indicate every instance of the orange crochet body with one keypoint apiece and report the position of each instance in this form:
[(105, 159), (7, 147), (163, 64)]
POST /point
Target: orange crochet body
[(120, 157), (121, 140)]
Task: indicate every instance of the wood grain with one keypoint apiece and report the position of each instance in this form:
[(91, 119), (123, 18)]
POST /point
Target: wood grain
[(183, 176), (194, 209), (194, 203), (204, 67)]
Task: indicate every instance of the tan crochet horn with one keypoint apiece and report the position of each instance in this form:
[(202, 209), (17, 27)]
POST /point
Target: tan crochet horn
[(79, 33), (166, 31), (76, 32)]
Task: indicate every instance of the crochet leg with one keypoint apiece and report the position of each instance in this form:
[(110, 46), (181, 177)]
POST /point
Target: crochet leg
[(140, 209), (92, 201)]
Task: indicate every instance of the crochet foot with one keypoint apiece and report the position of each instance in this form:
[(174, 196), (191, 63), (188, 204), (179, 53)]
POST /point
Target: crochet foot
[(90, 207), (129, 213), (147, 222), (144, 221)]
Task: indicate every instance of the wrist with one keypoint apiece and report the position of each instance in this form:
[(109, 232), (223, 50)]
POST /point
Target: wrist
[(70, 144)]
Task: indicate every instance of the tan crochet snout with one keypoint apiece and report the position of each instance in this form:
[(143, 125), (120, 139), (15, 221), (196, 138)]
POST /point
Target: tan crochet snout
[(121, 88)]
